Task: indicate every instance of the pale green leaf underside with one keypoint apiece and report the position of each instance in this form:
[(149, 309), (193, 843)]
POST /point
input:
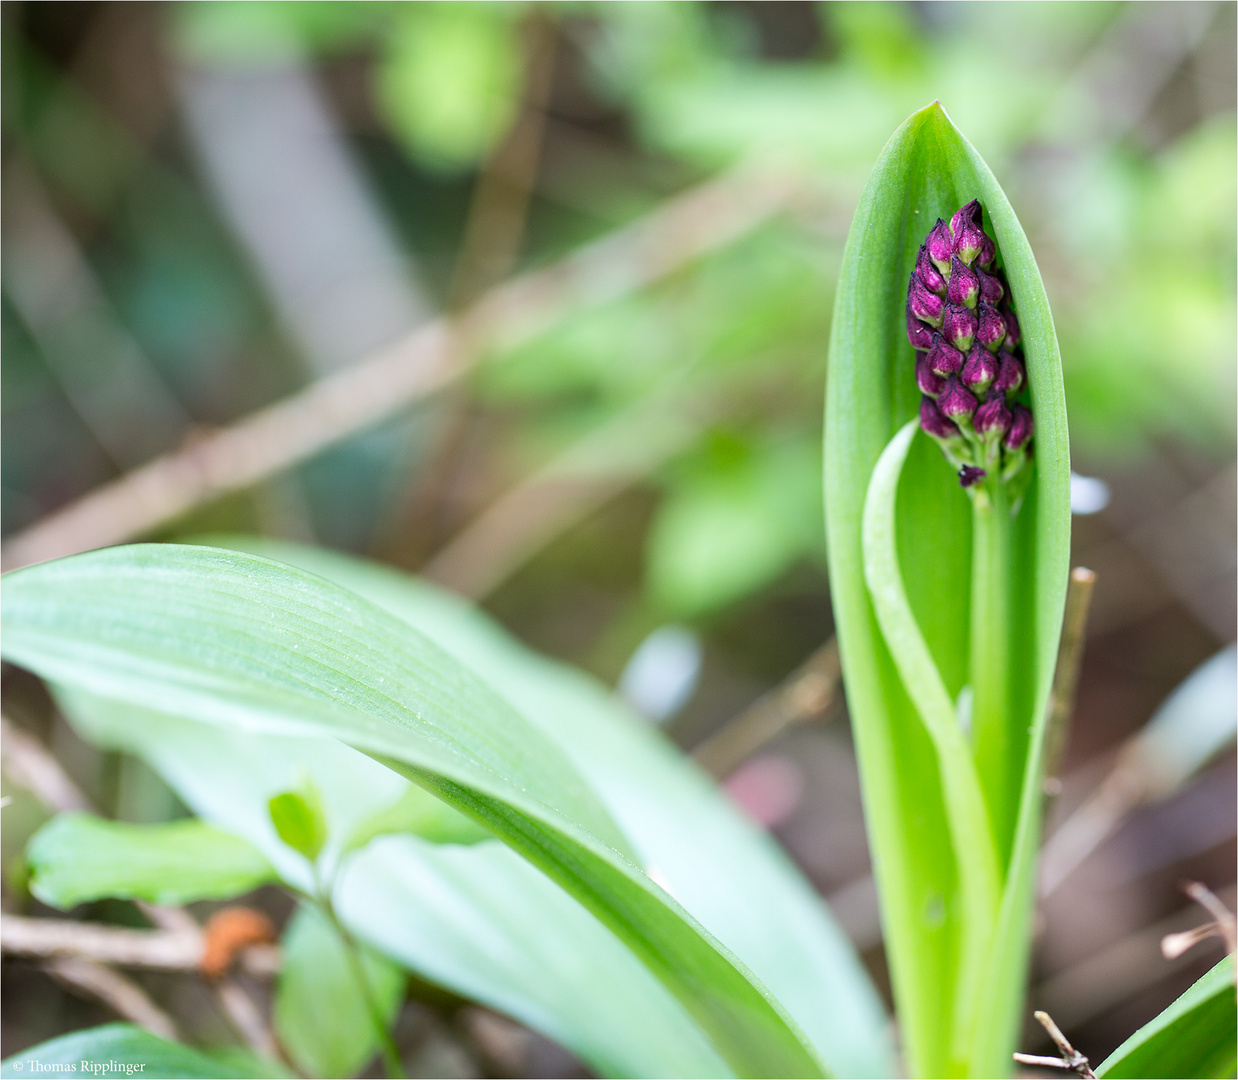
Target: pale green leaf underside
[(232, 639), (121, 1044), (1197, 1036), (926, 171), (76, 858), (480, 921)]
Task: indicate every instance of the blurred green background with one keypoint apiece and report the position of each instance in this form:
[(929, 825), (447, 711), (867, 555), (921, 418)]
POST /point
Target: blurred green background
[(208, 206)]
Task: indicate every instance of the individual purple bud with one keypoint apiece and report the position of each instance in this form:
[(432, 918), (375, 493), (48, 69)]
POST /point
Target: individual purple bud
[(934, 423), (956, 402), (944, 359), (990, 327), (940, 246), (925, 305), (927, 380), (980, 370), (919, 334), (964, 285), (991, 288), (970, 475), (1013, 334), (958, 326), (988, 251), (1009, 374), (929, 274), (992, 419), (1021, 426), (967, 232)]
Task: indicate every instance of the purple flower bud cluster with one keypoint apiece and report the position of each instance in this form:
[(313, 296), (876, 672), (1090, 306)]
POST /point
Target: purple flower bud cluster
[(960, 322)]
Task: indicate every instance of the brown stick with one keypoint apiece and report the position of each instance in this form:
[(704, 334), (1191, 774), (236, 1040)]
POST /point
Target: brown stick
[(807, 693), (29, 763), (378, 386), (154, 950), (1070, 1059)]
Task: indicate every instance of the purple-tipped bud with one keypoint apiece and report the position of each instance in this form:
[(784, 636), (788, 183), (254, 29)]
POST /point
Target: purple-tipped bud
[(991, 288), (1021, 426), (929, 274), (940, 246), (990, 327), (944, 359), (1013, 334), (956, 402), (993, 418), (958, 326), (980, 370), (964, 285), (924, 305), (969, 475), (927, 380), (934, 423), (1009, 374), (988, 252), (968, 234), (919, 334)]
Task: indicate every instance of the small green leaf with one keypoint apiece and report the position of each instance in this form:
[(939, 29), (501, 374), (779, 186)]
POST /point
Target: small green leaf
[(116, 1050), (324, 1018), (1197, 1036), (77, 858), (298, 819)]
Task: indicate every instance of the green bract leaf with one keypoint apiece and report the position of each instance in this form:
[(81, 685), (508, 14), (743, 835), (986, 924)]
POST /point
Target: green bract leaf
[(116, 1050), (76, 858), (420, 813), (324, 1018), (927, 871), (1197, 1036), (239, 641), (297, 817)]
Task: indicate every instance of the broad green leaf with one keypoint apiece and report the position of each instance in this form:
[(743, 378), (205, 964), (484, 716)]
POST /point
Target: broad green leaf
[(1197, 1036), (928, 170), (480, 921), (77, 858), (707, 854), (116, 1050), (324, 1017), (297, 817), (237, 640)]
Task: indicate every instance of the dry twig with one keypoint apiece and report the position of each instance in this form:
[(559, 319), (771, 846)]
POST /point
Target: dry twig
[(122, 995), (1070, 1058)]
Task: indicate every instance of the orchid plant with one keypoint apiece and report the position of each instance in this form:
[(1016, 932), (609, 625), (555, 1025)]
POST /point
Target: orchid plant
[(443, 802)]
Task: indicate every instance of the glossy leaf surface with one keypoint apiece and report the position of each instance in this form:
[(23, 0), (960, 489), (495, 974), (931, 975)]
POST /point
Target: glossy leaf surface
[(261, 646), (926, 171), (1197, 1036), (76, 858)]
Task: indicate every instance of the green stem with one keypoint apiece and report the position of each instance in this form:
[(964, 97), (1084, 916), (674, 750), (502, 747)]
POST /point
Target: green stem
[(352, 950), (990, 659)]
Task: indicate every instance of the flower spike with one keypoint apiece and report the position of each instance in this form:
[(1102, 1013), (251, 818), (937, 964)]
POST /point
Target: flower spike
[(960, 321)]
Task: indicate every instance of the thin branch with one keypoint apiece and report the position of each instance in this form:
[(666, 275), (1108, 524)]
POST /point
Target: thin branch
[(1069, 660), (154, 950), (382, 384), (805, 695), (1070, 1057), (1222, 925), (247, 1019), (122, 995)]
